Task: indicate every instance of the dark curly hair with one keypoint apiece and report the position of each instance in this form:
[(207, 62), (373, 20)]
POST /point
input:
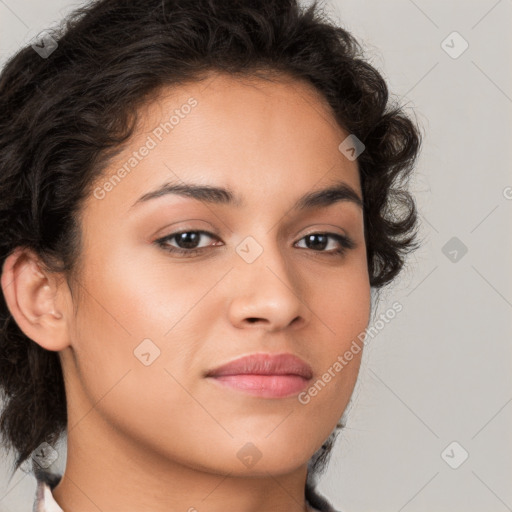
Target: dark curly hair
[(64, 116)]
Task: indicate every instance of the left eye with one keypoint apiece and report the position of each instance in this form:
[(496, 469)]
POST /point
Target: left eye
[(190, 239)]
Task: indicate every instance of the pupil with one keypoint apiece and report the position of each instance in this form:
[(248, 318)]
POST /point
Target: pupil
[(323, 244), (188, 239)]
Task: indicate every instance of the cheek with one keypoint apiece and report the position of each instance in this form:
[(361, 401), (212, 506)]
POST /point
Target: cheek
[(342, 300), (342, 307), (142, 296), (119, 328), (133, 313)]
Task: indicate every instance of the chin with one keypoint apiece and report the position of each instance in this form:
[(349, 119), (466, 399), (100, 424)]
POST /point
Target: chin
[(258, 458)]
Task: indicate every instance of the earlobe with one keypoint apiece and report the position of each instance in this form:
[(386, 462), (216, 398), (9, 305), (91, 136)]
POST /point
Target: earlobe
[(34, 300)]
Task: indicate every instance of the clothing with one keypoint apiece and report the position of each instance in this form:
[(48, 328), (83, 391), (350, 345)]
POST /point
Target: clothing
[(45, 502)]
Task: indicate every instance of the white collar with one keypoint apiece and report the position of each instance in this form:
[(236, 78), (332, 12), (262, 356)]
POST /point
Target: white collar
[(44, 501)]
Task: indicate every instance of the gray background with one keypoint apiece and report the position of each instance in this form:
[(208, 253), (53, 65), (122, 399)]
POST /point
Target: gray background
[(441, 370)]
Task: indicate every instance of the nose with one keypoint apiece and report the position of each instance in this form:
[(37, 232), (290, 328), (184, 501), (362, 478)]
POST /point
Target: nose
[(267, 292)]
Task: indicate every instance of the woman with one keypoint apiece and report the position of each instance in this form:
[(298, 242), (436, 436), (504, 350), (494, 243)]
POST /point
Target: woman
[(198, 199)]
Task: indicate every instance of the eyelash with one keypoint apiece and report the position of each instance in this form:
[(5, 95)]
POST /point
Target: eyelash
[(345, 242)]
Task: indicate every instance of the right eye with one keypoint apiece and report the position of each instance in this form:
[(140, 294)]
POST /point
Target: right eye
[(188, 238)]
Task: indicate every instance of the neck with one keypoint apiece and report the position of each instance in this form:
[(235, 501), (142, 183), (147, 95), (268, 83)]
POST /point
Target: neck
[(117, 475)]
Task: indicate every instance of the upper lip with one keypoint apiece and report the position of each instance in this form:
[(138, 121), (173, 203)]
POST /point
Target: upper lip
[(265, 364)]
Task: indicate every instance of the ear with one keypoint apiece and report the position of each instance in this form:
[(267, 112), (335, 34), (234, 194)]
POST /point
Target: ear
[(36, 299)]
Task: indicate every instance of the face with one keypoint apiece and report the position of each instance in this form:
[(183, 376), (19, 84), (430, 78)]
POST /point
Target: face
[(253, 275)]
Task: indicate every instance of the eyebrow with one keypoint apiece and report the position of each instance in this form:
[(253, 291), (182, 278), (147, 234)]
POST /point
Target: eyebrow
[(336, 193)]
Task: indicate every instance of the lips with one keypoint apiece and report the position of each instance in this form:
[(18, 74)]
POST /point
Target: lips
[(264, 375), (264, 364)]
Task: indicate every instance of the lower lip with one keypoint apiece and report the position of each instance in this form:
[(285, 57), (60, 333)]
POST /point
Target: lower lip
[(266, 386)]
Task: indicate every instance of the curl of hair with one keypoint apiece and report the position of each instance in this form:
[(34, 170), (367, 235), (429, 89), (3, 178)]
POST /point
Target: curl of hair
[(63, 117)]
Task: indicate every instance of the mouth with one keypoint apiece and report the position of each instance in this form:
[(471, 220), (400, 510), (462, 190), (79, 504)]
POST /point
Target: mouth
[(264, 375), (265, 386)]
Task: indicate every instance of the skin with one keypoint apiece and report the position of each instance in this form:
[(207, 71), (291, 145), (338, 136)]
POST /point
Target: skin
[(162, 437)]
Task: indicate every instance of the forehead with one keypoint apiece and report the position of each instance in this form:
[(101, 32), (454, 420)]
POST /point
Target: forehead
[(258, 136)]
